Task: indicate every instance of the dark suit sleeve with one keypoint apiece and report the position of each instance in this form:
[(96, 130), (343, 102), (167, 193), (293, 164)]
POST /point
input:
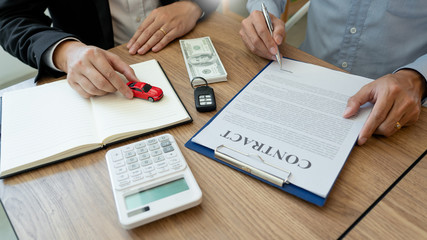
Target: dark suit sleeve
[(26, 31)]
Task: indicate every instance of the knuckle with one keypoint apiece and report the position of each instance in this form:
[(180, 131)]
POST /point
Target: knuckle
[(395, 89), (103, 85), (110, 75), (377, 116)]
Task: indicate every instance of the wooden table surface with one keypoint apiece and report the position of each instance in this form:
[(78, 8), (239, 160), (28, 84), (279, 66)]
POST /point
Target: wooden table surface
[(402, 214), (74, 200)]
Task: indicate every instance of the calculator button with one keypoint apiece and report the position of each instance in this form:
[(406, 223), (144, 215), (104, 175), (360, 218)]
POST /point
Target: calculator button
[(162, 170), (168, 149), (148, 168), (133, 166), (121, 170), (146, 162), (142, 150), (122, 177), (151, 141), (159, 158), (173, 161), (176, 166), (119, 164), (140, 145), (130, 154), (116, 156), (170, 154), (161, 165), (137, 178), (156, 153), (154, 147), (144, 156), (136, 173), (163, 138), (131, 160), (165, 143), (127, 148)]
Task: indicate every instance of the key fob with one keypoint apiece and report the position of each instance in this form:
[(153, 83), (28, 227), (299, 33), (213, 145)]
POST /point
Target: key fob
[(204, 97)]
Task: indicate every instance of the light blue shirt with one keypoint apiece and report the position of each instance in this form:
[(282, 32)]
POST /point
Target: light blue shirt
[(370, 38)]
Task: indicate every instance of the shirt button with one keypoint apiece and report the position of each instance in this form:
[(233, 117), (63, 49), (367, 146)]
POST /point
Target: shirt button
[(353, 30), (344, 64), (138, 19)]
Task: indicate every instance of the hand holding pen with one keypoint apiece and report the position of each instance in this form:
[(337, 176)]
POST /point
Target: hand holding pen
[(257, 37)]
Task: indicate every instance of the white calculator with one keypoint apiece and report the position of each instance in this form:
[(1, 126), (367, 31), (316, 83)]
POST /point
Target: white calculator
[(151, 180)]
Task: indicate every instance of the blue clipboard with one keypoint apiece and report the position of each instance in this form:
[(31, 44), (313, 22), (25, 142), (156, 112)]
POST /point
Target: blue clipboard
[(290, 188)]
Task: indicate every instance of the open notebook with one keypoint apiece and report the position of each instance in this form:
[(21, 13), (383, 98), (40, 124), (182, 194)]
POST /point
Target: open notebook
[(52, 122)]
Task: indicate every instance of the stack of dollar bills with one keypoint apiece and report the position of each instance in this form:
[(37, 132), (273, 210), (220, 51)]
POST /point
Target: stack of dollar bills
[(202, 60)]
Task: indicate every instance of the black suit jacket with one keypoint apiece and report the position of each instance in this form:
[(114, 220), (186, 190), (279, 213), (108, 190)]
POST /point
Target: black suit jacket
[(26, 32)]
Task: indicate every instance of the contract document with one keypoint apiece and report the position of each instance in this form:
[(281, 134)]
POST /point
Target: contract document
[(289, 124)]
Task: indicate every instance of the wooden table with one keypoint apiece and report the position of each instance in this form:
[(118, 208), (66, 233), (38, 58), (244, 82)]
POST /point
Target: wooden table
[(73, 199), (402, 214)]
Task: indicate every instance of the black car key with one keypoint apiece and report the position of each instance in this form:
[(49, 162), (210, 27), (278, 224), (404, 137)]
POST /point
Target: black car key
[(204, 96)]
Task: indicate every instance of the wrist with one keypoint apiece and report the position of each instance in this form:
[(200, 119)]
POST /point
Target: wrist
[(197, 9), (416, 80), (62, 51)]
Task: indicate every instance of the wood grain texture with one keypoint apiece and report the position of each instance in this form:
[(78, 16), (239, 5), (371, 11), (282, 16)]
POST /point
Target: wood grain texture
[(73, 199), (402, 214)]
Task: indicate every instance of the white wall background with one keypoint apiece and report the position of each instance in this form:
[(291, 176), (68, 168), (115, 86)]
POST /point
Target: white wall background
[(12, 70)]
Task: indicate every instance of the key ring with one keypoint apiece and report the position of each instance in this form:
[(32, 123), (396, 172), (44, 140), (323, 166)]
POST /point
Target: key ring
[(195, 78)]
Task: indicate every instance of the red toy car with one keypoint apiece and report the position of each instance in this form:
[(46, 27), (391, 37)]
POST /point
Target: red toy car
[(145, 91)]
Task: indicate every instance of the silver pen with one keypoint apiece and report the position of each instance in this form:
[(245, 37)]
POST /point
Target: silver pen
[(270, 27)]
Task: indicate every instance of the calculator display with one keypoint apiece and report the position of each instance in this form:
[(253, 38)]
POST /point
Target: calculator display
[(153, 194)]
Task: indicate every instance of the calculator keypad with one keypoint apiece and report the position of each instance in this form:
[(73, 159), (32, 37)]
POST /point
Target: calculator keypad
[(144, 160)]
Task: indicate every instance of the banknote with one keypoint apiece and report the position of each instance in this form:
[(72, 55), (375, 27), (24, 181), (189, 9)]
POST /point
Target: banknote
[(202, 60)]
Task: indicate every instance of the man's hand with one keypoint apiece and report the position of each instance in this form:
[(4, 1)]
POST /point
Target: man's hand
[(91, 71), (396, 98), (174, 20), (257, 37)]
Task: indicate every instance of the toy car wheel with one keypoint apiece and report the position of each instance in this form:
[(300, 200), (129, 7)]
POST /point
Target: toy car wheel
[(150, 99)]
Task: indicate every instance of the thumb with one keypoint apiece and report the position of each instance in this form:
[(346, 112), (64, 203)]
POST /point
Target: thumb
[(279, 30)]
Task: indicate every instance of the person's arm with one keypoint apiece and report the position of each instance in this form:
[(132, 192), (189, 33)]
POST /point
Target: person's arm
[(26, 32), (254, 31), (166, 23)]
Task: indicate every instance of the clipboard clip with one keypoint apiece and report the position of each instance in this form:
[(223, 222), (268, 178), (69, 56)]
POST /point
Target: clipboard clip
[(250, 169)]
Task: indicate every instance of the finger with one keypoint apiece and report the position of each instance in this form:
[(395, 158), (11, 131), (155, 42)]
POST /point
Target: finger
[(144, 36), (279, 30), (84, 86), (252, 40), (363, 96), (260, 52), (144, 25), (388, 126), (123, 68), (153, 40), (78, 89), (265, 35), (98, 80), (378, 114), (165, 40)]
